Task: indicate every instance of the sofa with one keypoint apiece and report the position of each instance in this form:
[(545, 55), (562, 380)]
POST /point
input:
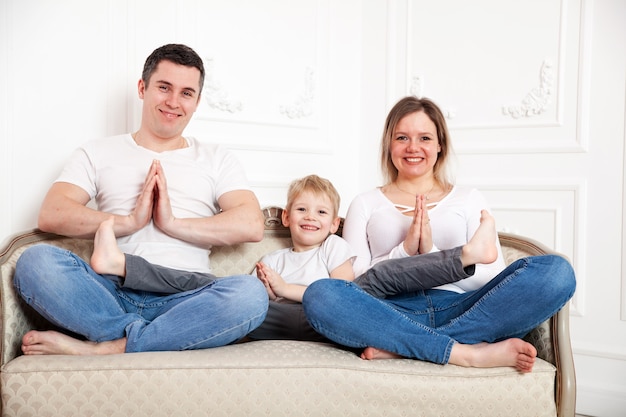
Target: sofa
[(269, 378)]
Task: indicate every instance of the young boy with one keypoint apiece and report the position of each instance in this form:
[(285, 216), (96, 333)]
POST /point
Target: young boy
[(312, 217), (317, 252)]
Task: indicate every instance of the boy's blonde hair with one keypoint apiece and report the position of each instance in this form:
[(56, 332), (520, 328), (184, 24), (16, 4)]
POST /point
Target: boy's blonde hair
[(316, 185)]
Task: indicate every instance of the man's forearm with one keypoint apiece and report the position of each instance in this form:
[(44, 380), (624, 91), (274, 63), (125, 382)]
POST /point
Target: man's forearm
[(237, 225), (76, 220)]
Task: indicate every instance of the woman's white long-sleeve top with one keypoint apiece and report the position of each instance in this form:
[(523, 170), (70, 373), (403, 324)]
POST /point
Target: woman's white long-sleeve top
[(376, 229)]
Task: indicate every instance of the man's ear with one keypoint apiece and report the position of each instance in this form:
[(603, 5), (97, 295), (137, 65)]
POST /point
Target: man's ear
[(141, 88), (335, 225), (285, 218)]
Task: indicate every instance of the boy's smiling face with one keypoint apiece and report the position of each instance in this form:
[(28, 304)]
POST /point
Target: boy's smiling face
[(311, 218)]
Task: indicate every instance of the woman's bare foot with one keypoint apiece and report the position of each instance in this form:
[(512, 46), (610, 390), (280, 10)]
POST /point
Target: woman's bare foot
[(510, 352), (370, 353), (107, 258), (54, 343), (481, 248)]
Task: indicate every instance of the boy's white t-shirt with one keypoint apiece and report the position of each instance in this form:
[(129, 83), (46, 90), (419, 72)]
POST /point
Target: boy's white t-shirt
[(304, 268), (113, 172)]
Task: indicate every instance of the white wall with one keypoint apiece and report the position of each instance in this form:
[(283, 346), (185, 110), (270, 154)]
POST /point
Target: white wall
[(534, 92)]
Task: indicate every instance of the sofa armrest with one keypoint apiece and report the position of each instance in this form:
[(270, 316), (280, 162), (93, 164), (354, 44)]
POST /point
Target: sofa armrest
[(18, 317), (551, 338)]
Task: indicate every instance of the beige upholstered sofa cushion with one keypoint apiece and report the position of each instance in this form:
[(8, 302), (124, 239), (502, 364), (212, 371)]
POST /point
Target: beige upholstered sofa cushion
[(268, 378)]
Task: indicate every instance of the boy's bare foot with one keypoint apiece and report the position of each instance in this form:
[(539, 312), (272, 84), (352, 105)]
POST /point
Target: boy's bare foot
[(481, 248), (54, 343), (370, 353), (107, 258), (510, 352)]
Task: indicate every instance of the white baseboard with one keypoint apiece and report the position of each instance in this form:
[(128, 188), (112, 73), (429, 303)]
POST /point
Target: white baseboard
[(600, 403), (600, 383)]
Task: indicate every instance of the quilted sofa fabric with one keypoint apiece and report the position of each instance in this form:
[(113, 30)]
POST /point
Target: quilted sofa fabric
[(267, 378)]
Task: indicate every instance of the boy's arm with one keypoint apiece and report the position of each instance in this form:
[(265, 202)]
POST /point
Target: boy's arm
[(293, 292), (343, 271)]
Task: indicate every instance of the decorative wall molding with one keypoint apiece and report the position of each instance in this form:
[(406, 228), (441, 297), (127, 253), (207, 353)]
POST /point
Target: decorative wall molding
[(7, 122), (537, 101), (304, 104), (623, 280), (215, 96), (269, 99), (279, 147), (449, 112), (416, 87), (488, 120)]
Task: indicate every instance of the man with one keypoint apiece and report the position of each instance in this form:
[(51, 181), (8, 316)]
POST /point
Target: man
[(169, 199)]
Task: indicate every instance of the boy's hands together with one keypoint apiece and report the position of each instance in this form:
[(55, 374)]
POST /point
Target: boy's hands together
[(267, 275)]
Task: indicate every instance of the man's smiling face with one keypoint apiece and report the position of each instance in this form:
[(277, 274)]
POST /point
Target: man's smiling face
[(170, 98)]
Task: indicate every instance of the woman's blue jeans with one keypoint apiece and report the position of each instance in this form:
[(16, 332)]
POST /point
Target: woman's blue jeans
[(426, 324), (65, 290)]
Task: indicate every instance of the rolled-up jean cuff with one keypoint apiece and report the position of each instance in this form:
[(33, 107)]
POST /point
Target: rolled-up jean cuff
[(144, 276), (415, 273)]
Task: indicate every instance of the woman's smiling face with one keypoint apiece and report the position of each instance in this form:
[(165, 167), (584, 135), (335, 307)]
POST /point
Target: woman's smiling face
[(414, 145)]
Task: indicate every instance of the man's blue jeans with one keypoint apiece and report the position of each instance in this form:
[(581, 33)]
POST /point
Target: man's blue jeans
[(66, 291), (426, 324)]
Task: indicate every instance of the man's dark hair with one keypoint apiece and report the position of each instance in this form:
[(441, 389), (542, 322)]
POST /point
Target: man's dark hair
[(176, 53)]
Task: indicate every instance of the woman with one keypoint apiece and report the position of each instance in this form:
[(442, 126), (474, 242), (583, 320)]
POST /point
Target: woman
[(478, 321)]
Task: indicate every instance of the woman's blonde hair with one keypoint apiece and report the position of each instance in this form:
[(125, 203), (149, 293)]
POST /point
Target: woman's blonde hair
[(316, 185), (402, 108)]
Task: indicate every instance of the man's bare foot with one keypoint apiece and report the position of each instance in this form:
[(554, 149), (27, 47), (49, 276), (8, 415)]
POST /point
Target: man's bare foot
[(54, 343), (510, 352), (481, 248), (107, 258), (370, 353)]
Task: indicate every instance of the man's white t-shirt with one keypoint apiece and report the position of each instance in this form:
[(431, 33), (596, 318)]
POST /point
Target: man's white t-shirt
[(113, 172)]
